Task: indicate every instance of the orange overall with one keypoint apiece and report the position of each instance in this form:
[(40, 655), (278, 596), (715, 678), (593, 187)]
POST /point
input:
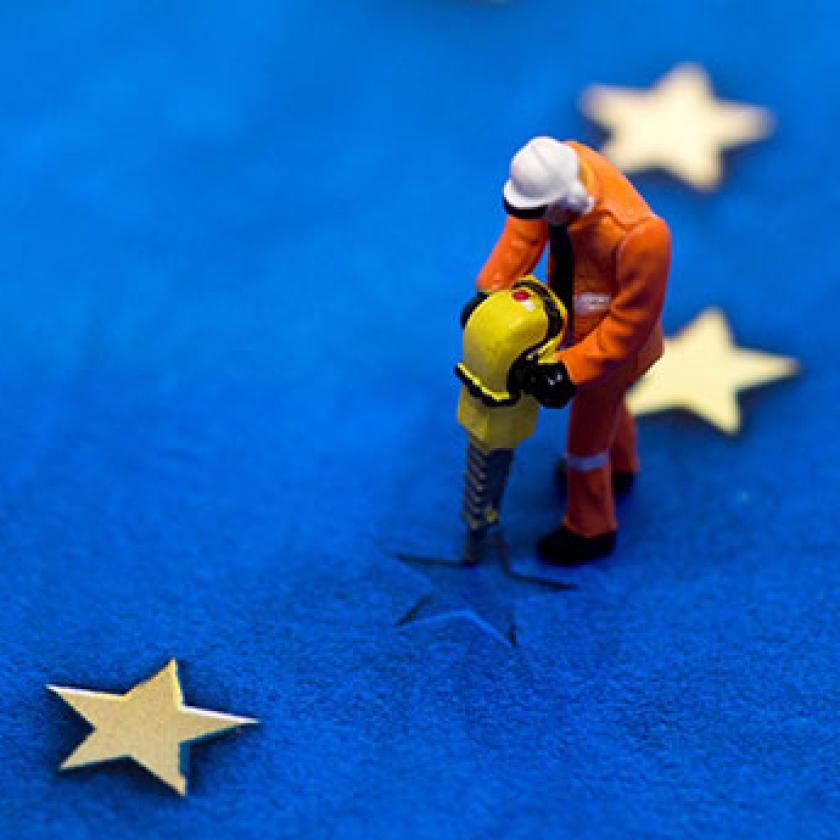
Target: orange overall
[(621, 253)]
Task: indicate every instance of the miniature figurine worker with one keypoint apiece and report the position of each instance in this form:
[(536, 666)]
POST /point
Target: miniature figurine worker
[(608, 261)]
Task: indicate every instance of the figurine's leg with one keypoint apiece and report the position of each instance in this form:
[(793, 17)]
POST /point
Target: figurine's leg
[(593, 425), (624, 455), (589, 526)]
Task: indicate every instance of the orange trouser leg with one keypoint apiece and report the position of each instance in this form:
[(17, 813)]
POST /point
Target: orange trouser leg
[(624, 456), (596, 416)]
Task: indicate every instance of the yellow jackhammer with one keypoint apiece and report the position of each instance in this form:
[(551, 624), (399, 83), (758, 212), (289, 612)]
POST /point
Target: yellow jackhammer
[(510, 329)]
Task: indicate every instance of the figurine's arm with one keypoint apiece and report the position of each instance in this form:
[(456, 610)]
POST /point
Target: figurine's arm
[(516, 254), (643, 261)]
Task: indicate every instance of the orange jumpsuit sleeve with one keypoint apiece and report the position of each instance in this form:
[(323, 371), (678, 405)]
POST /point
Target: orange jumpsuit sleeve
[(516, 254), (642, 262)]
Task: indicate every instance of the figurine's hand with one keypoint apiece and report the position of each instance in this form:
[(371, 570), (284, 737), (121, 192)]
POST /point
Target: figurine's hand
[(471, 305), (548, 384)]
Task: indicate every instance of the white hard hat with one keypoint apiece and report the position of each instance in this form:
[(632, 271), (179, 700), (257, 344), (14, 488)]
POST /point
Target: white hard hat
[(545, 172)]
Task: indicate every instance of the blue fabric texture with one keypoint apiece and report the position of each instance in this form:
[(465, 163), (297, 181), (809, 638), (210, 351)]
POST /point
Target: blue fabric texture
[(236, 239)]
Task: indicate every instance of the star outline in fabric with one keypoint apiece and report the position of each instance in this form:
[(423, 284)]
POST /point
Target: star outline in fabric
[(491, 611)]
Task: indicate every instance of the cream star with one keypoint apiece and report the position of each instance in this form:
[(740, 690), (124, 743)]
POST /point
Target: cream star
[(678, 125), (148, 724), (702, 371)]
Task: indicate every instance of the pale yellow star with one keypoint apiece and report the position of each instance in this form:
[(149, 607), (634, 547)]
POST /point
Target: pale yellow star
[(678, 125), (148, 724), (702, 371)]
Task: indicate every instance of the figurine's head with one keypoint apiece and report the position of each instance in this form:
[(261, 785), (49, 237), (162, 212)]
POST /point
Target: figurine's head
[(545, 183)]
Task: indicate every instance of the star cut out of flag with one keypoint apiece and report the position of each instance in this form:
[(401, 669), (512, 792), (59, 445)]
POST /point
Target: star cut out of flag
[(678, 126), (150, 724), (484, 593), (703, 371)]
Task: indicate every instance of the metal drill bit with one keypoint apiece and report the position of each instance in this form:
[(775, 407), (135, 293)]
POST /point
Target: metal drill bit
[(484, 486)]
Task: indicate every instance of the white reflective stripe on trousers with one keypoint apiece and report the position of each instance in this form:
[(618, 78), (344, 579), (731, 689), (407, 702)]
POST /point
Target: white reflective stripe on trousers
[(587, 463)]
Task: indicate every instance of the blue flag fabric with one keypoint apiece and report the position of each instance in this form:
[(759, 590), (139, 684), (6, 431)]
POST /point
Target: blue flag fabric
[(236, 238)]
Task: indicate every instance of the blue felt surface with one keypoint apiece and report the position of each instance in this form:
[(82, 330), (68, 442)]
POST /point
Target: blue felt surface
[(235, 240)]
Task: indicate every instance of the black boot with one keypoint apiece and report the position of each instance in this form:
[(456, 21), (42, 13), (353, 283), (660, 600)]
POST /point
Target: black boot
[(563, 547), (622, 481)]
